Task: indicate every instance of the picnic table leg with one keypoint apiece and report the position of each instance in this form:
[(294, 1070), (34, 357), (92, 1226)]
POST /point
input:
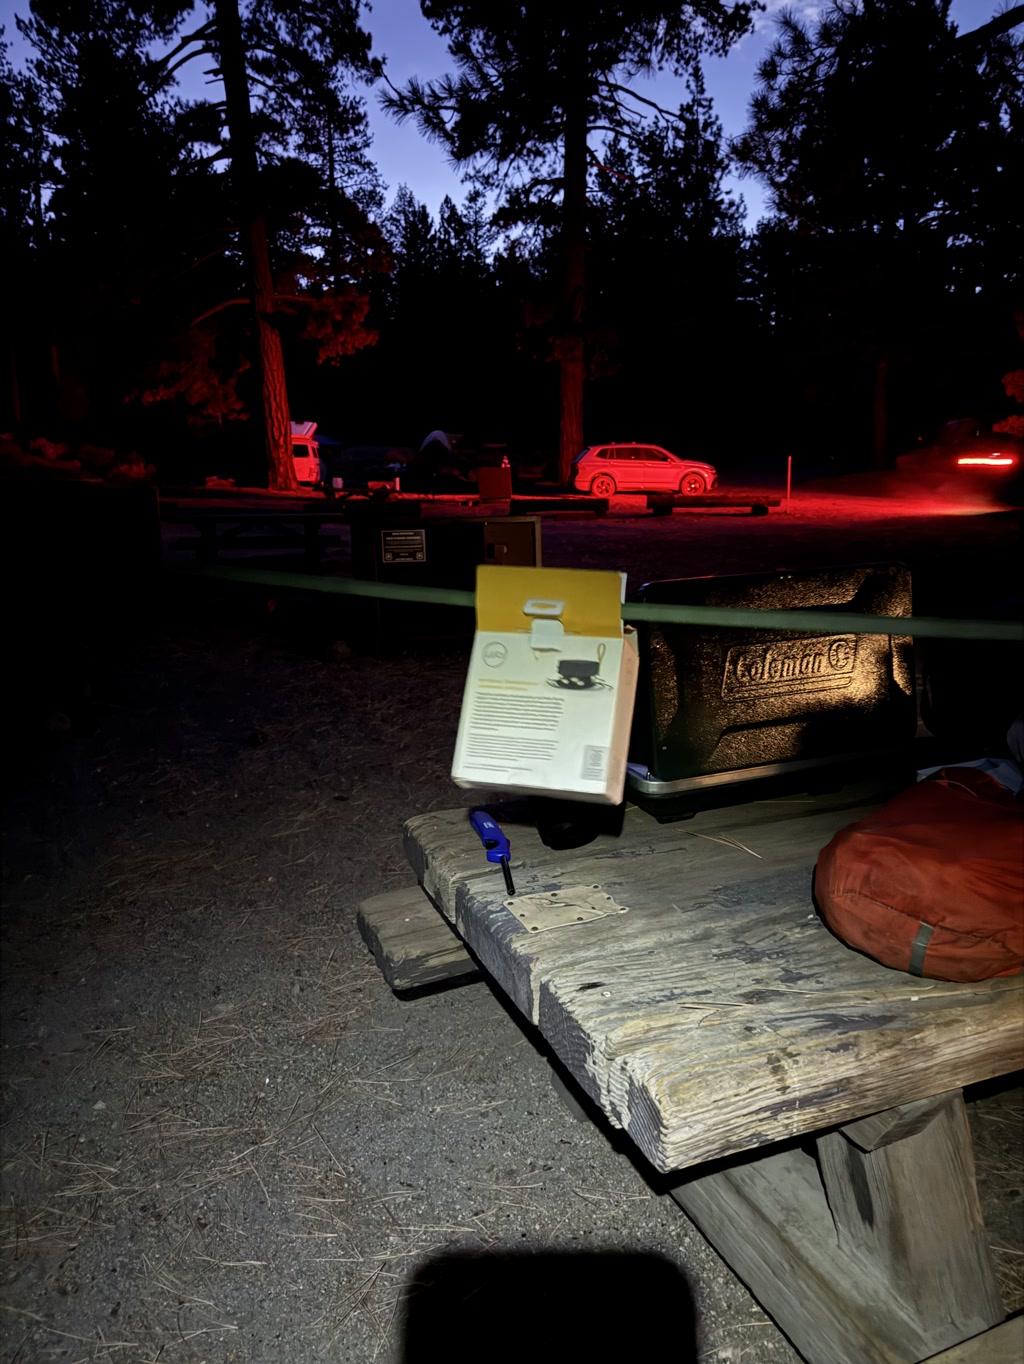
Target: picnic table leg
[(862, 1256), (901, 1189)]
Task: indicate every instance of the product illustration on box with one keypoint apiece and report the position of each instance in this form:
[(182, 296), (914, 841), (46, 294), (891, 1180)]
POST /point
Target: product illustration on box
[(580, 674)]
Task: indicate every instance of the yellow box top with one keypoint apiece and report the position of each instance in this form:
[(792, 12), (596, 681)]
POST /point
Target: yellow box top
[(586, 601)]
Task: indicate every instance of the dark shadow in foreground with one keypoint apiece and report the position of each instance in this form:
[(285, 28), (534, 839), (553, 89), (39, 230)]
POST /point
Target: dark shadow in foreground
[(547, 1307)]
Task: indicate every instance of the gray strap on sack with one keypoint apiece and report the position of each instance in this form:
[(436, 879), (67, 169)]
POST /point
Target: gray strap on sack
[(919, 948)]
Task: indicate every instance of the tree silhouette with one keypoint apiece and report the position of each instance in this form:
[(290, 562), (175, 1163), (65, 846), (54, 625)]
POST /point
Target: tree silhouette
[(298, 54), (441, 351), (133, 247), (659, 210), (535, 80), (465, 236), (227, 37), (890, 145), (95, 114), (23, 155)]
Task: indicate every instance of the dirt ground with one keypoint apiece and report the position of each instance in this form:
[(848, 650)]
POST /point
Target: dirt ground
[(223, 1138)]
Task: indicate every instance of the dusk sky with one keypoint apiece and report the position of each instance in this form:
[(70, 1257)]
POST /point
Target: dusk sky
[(413, 48)]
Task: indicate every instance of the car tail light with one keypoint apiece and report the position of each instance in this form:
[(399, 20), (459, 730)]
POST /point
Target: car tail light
[(992, 461)]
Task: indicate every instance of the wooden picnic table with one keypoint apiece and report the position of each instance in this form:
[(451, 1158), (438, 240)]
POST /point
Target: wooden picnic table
[(293, 523), (681, 975)]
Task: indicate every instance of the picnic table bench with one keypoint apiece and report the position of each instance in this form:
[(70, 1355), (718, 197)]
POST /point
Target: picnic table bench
[(804, 1100), (281, 527)]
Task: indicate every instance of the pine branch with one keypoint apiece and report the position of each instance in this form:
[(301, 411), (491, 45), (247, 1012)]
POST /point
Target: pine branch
[(199, 52), (995, 28), (609, 170), (627, 133), (625, 90), (210, 312), (200, 35), (218, 251)]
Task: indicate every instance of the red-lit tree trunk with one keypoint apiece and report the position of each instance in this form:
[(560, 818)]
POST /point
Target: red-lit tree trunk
[(574, 230), (253, 233)]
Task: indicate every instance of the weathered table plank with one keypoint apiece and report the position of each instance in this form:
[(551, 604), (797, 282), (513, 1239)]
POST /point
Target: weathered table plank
[(1002, 1345), (719, 1013), (411, 943)]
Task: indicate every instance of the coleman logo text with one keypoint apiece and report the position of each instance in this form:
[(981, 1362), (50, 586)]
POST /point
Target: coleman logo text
[(790, 665)]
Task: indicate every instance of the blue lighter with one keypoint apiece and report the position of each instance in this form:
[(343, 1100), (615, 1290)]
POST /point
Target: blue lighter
[(495, 843)]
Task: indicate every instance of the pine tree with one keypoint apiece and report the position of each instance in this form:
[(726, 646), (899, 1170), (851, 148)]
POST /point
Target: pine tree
[(303, 184), (891, 145), (659, 210), (97, 118), (535, 79)]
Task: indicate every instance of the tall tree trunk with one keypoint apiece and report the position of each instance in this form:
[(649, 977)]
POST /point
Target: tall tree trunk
[(574, 229), (253, 230), (332, 243)]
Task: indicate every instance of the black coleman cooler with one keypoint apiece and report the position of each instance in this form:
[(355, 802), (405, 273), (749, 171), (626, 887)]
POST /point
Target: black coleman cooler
[(721, 707)]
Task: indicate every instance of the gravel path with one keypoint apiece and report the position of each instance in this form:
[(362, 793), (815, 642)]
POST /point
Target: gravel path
[(223, 1138)]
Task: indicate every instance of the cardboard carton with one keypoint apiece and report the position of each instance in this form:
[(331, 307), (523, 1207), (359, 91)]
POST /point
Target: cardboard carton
[(549, 695)]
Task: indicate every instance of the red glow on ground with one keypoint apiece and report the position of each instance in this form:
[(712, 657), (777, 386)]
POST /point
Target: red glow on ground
[(991, 460)]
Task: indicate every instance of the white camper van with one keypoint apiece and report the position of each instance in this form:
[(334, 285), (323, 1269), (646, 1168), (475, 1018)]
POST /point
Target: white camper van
[(306, 454)]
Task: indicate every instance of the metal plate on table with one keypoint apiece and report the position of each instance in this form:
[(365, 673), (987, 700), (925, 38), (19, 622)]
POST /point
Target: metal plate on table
[(567, 905)]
